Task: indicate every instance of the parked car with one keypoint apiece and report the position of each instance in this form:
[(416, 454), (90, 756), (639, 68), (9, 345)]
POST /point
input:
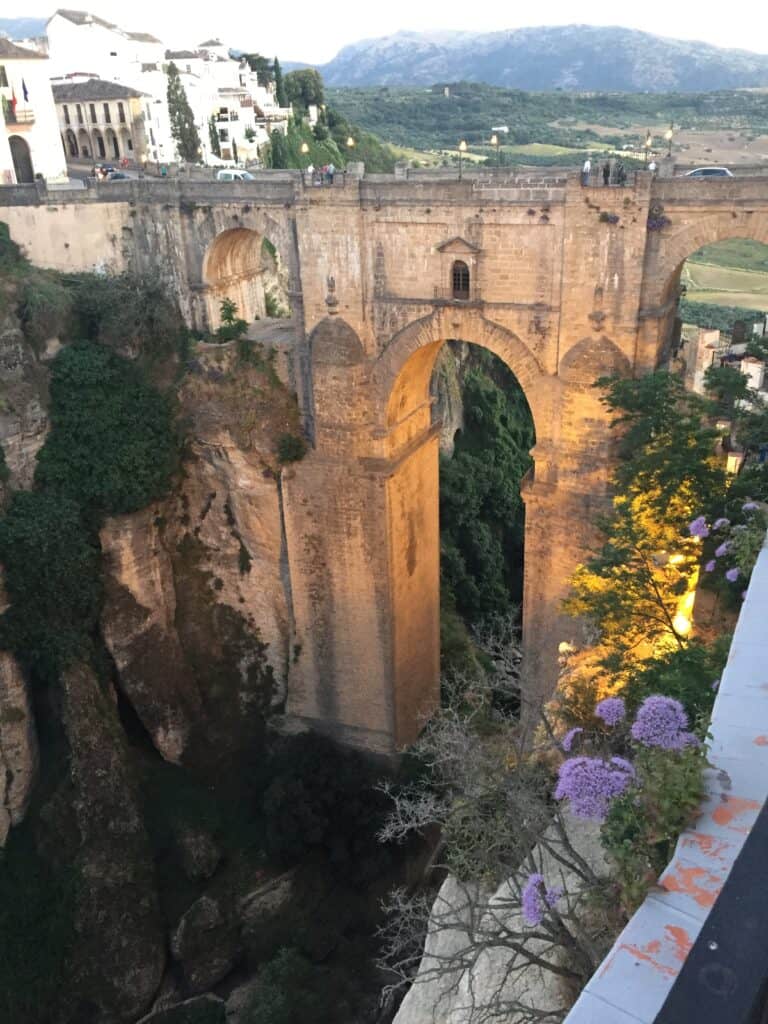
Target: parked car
[(709, 172), (117, 176), (234, 175)]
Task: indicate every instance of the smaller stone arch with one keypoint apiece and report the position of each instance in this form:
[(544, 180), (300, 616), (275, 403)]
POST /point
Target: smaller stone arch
[(22, 160), (84, 143), (592, 358), (113, 147), (100, 149), (71, 143), (334, 343)]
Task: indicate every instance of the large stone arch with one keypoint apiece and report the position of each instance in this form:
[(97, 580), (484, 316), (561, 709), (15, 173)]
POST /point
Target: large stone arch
[(670, 248), (401, 375), (230, 260)]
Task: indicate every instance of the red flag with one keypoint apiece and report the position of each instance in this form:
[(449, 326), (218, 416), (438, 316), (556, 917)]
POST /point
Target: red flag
[(13, 101)]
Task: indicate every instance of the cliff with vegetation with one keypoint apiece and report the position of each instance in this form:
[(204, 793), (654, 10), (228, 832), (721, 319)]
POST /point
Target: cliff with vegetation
[(161, 841)]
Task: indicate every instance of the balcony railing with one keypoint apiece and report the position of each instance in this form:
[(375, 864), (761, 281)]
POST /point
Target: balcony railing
[(19, 116), (449, 294)]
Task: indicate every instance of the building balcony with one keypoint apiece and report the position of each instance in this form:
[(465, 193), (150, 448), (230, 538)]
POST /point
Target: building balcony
[(20, 117)]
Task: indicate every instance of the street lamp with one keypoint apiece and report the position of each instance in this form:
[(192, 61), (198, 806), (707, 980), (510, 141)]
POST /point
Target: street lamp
[(495, 142), (668, 136), (350, 142), (304, 149), (462, 151), (647, 144)]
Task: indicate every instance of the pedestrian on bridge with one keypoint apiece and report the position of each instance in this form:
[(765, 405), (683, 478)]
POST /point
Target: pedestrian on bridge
[(586, 170)]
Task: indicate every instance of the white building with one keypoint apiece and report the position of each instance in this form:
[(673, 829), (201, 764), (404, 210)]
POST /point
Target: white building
[(219, 88), (30, 143)]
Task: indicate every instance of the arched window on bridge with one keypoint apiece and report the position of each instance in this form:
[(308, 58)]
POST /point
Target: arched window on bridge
[(460, 280)]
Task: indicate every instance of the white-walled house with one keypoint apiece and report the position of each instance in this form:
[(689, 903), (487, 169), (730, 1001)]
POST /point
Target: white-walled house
[(30, 143)]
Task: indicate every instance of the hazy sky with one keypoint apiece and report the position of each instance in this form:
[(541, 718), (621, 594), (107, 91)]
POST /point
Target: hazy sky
[(313, 30)]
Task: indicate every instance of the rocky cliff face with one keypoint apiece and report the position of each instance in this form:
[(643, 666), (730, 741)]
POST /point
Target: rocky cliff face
[(18, 745), (23, 392)]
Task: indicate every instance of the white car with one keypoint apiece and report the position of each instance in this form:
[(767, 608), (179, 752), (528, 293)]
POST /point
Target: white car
[(234, 175), (709, 172)]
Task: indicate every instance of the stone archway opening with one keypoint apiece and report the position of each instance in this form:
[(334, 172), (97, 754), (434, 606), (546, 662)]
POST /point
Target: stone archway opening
[(22, 160), (467, 552), (486, 434), (718, 296), (71, 143), (245, 266), (83, 142)]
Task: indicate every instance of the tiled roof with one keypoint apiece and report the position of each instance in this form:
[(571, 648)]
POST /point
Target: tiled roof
[(10, 51), (211, 42), (83, 18), (93, 89), (180, 54), (143, 37)]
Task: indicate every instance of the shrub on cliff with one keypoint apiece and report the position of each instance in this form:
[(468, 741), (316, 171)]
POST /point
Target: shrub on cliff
[(112, 446), (291, 990), (52, 580), (322, 800)]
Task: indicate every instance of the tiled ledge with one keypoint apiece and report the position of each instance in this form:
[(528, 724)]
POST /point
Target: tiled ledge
[(635, 978)]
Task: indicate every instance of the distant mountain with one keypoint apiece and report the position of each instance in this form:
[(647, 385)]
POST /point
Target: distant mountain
[(574, 57), (22, 28)]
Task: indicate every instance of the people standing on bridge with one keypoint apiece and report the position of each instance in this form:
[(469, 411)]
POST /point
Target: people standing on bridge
[(621, 174), (586, 170), (331, 172), (652, 167), (606, 173)]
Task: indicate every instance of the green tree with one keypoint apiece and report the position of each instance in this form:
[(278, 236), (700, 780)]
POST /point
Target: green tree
[(183, 126), (666, 476), (280, 92), (213, 137), (112, 448), (278, 150), (262, 66), (304, 87)]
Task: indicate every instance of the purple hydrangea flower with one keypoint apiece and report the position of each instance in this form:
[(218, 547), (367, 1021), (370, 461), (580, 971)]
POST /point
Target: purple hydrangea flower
[(749, 506), (721, 523), (699, 528), (611, 710), (536, 898), (591, 784), (723, 549), (660, 722), (732, 575), (569, 737), (710, 566), (625, 765), (689, 739)]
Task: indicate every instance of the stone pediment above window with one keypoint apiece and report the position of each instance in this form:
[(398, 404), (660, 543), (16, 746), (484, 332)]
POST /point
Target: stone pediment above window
[(458, 246)]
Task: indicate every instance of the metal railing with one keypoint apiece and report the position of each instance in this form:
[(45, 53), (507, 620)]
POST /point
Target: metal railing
[(449, 294), (724, 979), (19, 116)]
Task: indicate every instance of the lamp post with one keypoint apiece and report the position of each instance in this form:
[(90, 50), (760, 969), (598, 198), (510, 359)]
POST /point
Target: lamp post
[(495, 142), (304, 149), (668, 136), (462, 151), (647, 144), (350, 142)]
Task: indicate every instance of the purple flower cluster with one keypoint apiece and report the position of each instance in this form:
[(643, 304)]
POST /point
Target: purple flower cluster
[(536, 898), (710, 566), (749, 506), (732, 575), (591, 784), (612, 710), (698, 528), (570, 736), (721, 523), (661, 722), (724, 548)]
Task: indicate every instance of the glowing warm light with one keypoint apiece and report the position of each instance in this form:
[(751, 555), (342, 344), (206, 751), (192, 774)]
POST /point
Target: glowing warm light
[(682, 624), (676, 559), (733, 462), (462, 146)]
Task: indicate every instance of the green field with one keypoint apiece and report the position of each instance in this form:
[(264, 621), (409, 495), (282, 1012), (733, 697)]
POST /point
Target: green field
[(731, 273)]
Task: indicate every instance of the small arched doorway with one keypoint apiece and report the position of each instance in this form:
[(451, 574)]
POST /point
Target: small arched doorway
[(71, 142), (22, 160), (460, 280), (83, 142), (244, 266), (98, 142), (112, 144)]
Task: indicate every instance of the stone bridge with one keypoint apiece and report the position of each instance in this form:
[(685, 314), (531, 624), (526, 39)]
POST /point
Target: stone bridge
[(561, 282)]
